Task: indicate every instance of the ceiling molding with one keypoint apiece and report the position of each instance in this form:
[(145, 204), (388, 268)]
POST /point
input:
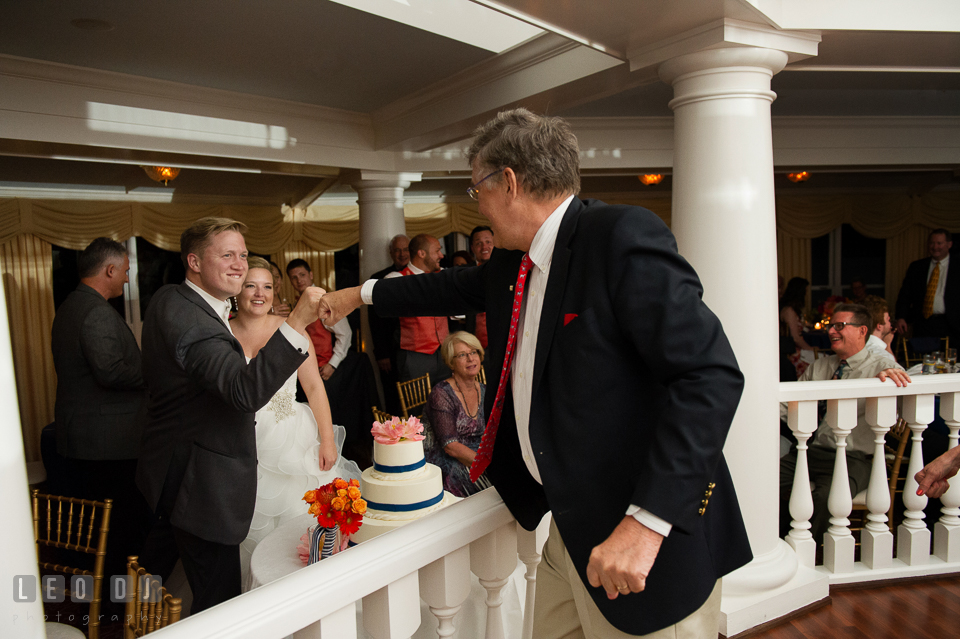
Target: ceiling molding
[(65, 74), (441, 112)]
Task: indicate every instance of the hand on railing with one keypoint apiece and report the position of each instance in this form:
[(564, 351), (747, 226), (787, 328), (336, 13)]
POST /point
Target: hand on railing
[(897, 376)]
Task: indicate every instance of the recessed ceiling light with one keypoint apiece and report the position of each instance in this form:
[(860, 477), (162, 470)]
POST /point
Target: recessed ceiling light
[(89, 24)]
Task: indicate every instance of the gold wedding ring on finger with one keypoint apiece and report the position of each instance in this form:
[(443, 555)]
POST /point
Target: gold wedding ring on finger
[(623, 588)]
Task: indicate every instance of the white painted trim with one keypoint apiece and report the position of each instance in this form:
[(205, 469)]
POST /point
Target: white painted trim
[(725, 32)]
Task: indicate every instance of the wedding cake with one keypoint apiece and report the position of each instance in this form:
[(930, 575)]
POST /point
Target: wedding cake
[(401, 486)]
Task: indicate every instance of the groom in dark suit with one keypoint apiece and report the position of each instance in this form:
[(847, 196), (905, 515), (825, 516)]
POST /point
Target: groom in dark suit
[(198, 457), (618, 399)]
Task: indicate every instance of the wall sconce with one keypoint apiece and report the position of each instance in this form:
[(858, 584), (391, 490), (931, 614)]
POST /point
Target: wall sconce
[(802, 176), (651, 178), (161, 173)]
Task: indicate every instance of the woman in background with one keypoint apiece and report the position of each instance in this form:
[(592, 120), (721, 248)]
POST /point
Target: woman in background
[(454, 414)]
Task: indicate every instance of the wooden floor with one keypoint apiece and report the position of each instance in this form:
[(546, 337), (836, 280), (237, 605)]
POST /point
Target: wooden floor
[(928, 609)]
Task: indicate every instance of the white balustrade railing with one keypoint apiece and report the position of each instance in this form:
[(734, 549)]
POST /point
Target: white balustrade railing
[(431, 558), (913, 555)]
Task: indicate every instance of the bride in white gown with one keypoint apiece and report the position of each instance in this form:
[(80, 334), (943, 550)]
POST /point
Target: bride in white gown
[(291, 458)]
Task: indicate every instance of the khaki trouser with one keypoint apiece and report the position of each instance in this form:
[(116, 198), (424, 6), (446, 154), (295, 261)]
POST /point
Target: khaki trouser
[(565, 610)]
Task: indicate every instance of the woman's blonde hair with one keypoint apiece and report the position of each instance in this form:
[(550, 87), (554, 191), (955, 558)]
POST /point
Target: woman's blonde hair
[(460, 337), (258, 262)]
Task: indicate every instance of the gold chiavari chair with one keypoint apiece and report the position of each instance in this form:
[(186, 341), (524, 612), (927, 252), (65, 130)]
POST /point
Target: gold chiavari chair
[(413, 394), (80, 525), (380, 415), (151, 611), (482, 376)]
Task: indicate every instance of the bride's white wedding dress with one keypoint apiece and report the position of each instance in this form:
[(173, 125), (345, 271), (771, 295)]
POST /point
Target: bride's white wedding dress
[(288, 451)]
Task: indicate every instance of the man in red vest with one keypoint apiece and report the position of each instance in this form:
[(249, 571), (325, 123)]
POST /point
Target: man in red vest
[(329, 353), (421, 337)]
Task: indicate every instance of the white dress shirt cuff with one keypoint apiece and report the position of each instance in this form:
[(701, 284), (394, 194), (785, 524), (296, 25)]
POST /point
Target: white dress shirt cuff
[(649, 520), (366, 291), (296, 340)]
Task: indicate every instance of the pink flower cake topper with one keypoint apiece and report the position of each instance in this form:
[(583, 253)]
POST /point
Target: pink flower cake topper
[(396, 430)]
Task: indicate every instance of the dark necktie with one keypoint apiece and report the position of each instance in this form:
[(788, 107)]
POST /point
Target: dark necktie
[(822, 404), (485, 451)]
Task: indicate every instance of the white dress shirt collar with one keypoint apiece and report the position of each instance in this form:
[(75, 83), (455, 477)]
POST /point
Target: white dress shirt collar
[(220, 307), (541, 248), (414, 269)]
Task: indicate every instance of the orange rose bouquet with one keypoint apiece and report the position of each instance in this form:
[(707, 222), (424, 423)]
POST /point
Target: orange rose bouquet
[(338, 506)]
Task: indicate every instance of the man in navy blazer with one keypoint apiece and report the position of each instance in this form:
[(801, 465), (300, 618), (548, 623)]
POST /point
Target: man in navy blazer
[(620, 395), (198, 456)]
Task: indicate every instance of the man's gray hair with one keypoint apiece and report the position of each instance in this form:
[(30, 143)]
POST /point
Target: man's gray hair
[(98, 254), (393, 240), (541, 150)]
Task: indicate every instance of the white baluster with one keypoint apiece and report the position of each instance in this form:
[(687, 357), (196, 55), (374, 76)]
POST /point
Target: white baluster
[(802, 419), (876, 540), (341, 624), (913, 538), (493, 558), (529, 545), (444, 586), (838, 544), (393, 612), (946, 532)]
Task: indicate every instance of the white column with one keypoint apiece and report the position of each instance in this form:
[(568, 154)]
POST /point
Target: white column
[(380, 198), (724, 219), (20, 596)]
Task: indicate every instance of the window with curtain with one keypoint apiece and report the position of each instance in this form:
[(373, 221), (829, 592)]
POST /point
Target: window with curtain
[(842, 256), (156, 267)]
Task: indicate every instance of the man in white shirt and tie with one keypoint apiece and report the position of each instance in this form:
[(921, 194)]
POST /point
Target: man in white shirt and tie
[(615, 388), (929, 299)]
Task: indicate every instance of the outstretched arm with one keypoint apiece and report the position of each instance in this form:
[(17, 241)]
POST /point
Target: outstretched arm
[(933, 478)]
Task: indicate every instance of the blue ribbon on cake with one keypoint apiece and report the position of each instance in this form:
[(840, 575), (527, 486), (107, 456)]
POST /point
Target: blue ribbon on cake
[(383, 468), (399, 508)]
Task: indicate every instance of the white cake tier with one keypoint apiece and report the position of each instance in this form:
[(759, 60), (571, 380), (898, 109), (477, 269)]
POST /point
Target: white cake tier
[(402, 497), (400, 461), (377, 523)]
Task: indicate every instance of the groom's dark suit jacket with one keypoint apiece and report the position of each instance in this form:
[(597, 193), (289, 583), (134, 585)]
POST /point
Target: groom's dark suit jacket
[(198, 456), (634, 389)]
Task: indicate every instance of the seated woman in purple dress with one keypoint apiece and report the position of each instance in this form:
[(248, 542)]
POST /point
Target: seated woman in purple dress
[(454, 415)]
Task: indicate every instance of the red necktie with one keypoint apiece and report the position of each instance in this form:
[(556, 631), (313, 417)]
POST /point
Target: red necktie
[(485, 452)]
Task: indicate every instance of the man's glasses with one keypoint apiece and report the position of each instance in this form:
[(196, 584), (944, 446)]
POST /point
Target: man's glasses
[(464, 355), (474, 191), (840, 325)]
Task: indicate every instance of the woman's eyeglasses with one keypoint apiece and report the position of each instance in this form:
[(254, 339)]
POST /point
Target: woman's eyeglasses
[(464, 355)]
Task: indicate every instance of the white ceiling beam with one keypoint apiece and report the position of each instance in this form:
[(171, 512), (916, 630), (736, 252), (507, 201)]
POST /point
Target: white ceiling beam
[(450, 109)]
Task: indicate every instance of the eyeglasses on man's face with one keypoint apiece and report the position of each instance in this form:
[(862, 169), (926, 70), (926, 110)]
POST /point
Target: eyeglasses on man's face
[(474, 191), (839, 326), (464, 355)]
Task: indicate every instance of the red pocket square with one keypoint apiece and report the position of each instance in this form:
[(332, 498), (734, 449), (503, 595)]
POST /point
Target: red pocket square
[(569, 317)]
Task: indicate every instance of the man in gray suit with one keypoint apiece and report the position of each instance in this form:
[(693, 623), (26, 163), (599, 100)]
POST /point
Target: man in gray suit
[(198, 458), (100, 394)]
